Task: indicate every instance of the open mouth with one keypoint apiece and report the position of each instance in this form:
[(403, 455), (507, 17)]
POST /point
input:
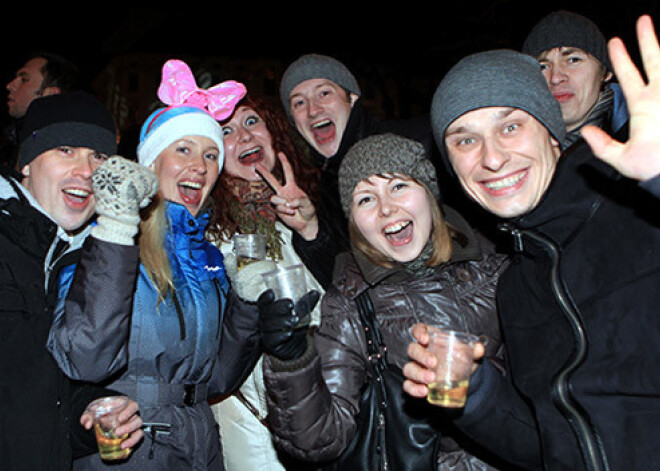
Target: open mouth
[(190, 191), (77, 197), (399, 233), (506, 183), (323, 131), (251, 156)]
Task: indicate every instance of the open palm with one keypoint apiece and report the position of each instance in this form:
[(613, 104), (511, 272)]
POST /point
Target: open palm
[(639, 157)]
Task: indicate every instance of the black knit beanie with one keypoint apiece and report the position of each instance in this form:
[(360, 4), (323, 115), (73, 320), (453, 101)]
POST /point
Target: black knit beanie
[(75, 119), (497, 78), (387, 154), (315, 66), (567, 29)]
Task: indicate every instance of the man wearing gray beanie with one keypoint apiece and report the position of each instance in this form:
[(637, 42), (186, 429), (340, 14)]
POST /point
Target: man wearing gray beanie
[(44, 223), (573, 55), (321, 97), (579, 303)]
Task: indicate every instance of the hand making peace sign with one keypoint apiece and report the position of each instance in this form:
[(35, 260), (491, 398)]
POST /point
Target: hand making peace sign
[(293, 206), (639, 158)]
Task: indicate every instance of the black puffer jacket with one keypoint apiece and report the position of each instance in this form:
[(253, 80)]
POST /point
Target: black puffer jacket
[(39, 407), (313, 401), (580, 309)]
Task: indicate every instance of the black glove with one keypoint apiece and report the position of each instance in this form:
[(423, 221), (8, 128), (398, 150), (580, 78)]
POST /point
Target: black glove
[(282, 333)]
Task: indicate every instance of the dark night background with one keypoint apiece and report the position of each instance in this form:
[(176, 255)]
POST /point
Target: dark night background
[(399, 54)]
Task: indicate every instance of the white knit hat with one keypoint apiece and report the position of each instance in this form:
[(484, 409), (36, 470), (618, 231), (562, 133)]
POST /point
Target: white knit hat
[(166, 125)]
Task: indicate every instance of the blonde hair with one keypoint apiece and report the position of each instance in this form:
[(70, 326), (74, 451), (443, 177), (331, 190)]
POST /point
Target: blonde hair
[(441, 235), (152, 246)]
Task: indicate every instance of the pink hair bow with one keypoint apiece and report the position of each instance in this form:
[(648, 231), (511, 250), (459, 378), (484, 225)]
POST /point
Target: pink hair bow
[(178, 87)]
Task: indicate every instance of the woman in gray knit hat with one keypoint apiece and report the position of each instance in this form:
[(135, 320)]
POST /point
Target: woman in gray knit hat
[(416, 259)]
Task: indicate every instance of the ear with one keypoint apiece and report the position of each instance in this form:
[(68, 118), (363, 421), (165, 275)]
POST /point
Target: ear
[(353, 98), (556, 148), (25, 171), (608, 76)]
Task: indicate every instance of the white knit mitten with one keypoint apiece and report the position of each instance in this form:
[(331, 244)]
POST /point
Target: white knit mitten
[(121, 188)]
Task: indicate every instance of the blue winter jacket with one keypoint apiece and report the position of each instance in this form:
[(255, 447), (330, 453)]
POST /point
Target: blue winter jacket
[(181, 350)]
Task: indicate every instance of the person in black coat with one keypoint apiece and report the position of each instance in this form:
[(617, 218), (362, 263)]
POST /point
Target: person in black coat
[(579, 302), (44, 220), (322, 98)]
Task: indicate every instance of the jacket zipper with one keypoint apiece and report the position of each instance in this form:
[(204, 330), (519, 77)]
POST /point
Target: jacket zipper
[(590, 444)]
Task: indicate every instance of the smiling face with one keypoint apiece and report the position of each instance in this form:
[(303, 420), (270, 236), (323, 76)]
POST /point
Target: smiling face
[(504, 158), (187, 171), (320, 109), (393, 215), (247, 142), (60, 179), (575, 78)]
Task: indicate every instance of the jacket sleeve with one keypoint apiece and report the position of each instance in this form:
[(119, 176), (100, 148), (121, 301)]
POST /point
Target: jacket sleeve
[(89, 335), (240, 346), (498, 418), (313, 401)]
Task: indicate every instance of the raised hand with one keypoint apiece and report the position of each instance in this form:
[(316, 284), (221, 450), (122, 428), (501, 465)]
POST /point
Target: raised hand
[(293, 206), (639, 157)]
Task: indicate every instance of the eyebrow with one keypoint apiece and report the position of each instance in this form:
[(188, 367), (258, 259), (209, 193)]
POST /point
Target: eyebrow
[(462, 129)]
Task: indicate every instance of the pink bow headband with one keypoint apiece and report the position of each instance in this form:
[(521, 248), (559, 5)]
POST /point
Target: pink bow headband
[(178, 87)]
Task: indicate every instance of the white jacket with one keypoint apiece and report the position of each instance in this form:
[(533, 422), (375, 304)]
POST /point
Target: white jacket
[(246, 442)]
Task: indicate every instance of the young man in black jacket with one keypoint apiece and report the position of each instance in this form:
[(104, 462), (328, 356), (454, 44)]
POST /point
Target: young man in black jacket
[(579, 302), (44, 216)]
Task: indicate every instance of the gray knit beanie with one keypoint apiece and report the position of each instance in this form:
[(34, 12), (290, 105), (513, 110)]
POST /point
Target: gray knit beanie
[(499, 77), (567, 29), (384, 154), (315, 66)]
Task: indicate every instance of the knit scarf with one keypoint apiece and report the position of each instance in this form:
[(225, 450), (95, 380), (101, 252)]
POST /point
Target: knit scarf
[(599, 116), (252, 210), (418, 267)]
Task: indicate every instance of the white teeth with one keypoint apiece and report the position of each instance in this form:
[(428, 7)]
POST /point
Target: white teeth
[(321, 123), (396, 227), (249, 152), (77, 192), (505, 182), (193, 185)]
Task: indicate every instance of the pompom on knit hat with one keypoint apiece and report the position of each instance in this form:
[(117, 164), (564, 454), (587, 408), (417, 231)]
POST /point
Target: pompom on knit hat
[(315, 66), (384, 154), (567, 29), (166, 125), (496, 78), (75, 119)]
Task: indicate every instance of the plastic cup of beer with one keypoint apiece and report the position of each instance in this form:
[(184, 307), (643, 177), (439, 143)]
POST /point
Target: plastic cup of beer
[(249, 248), (287, 282), (105, 412), (454, 353)]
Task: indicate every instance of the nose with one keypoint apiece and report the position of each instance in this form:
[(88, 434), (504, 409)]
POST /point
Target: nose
[(84, 167), (385, 206), (11, 86), (494, 155), (314, 108), (197, 164), (245, 135), (557, 74)]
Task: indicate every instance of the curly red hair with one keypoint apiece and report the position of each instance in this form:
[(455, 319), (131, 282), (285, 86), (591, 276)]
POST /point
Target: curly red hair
[(307, 175)]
